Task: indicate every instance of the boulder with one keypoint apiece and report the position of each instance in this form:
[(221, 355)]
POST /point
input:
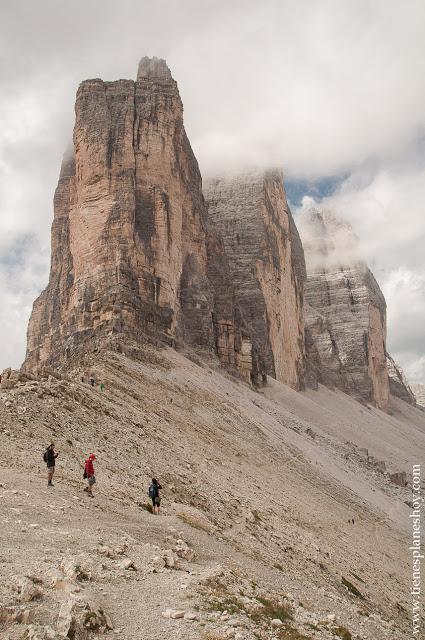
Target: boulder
[(77, 618), (399, 478)]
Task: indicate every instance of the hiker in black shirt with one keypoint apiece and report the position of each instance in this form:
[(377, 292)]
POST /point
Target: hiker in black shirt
[(50, 459), (154, 496)]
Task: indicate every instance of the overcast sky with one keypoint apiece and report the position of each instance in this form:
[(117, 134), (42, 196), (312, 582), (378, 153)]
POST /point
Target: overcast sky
[(331, 90)]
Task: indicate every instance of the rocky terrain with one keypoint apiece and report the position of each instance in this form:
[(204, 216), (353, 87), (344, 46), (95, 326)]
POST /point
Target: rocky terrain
[(280, 519)]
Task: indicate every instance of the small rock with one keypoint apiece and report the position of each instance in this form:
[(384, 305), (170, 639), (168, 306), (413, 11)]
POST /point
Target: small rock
[(39, 632), (128, 565), (190, 615), (276, 622), (28, 591), (169, 559), (174, 614), (106, 551)]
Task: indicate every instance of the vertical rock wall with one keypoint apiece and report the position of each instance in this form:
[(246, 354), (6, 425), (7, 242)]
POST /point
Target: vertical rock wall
[(266, 262), (128, 238), (130, 249)]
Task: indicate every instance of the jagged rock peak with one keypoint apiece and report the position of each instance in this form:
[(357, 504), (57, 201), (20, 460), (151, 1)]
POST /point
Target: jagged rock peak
[(153, 68), (131, 252)]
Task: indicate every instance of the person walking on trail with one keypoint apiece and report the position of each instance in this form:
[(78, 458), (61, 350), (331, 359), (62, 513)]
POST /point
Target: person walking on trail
[(89, 474), (154, 496), (49, 458)]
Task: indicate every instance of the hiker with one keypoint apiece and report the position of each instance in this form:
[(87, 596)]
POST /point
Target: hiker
[(154, 496), (89, 474), (102, 386), (92, 381), (49, 458)]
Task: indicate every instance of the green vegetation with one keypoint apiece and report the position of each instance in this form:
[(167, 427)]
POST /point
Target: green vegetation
[(342, 632), (350, 586), (272, 609)]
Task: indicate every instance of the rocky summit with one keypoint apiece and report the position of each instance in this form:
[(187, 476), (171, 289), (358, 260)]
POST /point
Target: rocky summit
[(192, 334)]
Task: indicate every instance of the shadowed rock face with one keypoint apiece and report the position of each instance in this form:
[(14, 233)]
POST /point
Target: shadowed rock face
[(266, 261), (345, 312), (130, 249)]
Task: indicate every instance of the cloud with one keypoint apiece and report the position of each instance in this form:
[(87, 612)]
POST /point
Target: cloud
[(323, 88), (386, 211)]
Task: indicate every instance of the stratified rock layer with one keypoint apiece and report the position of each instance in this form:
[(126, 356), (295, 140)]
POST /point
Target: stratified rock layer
[(130, 250), (399, 385), (266, 261), (345, 312)]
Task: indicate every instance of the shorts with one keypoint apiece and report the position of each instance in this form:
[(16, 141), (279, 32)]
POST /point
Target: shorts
[(91, 480), (156, 502)]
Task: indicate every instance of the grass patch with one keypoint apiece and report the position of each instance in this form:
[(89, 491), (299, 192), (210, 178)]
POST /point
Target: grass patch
[(221, 598), (357, 577), (194, 521), (353, 589), (272, 609), (146, 506), (342, 632)]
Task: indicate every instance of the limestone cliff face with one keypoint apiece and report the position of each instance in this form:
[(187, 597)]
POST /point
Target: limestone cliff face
[(345, 312), (128, 237), (399, 385), (130, 250), (266, 261)]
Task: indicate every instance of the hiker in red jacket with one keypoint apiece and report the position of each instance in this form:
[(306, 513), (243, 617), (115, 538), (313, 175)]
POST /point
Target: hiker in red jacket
[(89, 474)]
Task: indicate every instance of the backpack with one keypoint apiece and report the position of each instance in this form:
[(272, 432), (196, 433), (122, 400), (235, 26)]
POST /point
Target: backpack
[(152, 491), (45, 456)]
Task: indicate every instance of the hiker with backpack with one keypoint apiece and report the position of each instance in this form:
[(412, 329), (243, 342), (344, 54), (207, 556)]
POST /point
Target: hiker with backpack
[(89, 474), (154, 496), (49, 458)]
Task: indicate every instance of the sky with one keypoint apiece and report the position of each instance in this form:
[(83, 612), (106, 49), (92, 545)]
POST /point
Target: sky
[(331, 91)]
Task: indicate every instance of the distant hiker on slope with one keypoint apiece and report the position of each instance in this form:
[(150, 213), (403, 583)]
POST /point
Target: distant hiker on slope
[(154, 495), (89, 474), (49, 458)]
